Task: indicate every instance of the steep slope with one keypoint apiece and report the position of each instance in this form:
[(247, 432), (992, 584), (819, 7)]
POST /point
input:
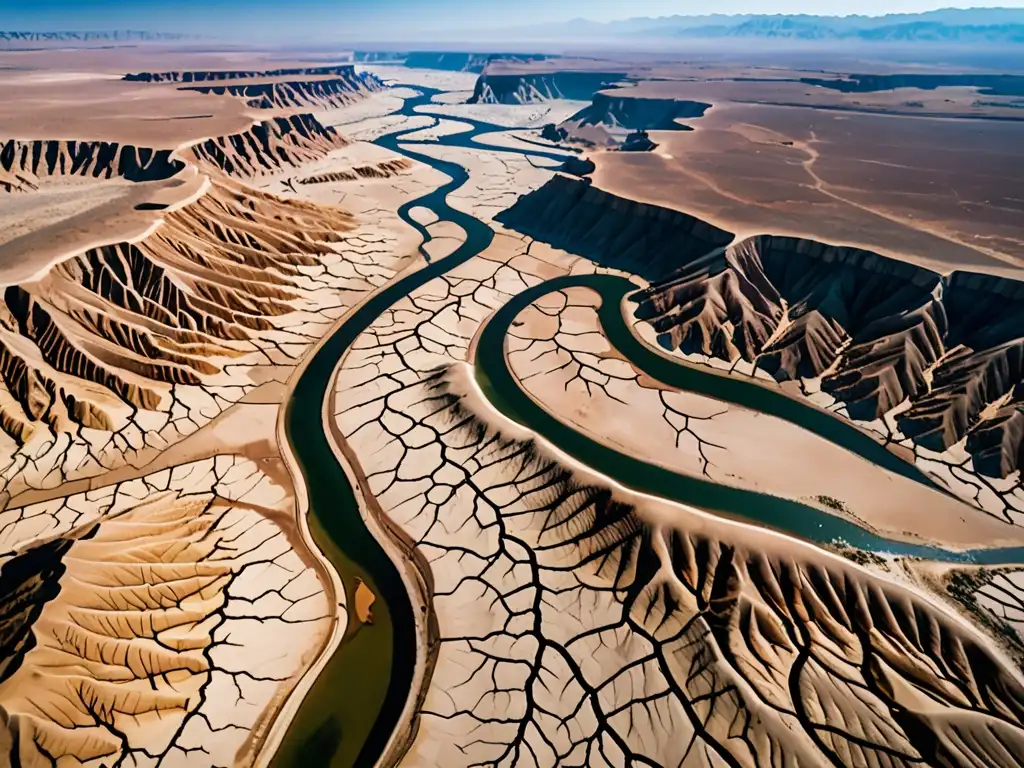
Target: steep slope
[(465, 62), (24, 163), (984, 364), (878, 332), (269, 146), (614, 232), (117, 327), (530, 88), (382, 170), (619, 109), (321, 92), (345, 71)]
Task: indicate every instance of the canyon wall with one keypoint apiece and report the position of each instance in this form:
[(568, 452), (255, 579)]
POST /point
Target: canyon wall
[(618, 109), (24, 163), (530, 88), (326, 92), (878, 332)]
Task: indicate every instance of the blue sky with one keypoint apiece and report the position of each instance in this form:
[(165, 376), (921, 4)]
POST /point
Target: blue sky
[(283, 18)]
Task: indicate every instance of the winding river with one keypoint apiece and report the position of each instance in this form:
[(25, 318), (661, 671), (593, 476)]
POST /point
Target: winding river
[(348, 716)]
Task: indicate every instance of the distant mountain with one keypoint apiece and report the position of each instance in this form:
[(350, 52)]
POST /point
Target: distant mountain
[(972, 25), (117, 35)]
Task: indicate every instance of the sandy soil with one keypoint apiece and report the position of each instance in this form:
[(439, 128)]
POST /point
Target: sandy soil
[(939, 193)]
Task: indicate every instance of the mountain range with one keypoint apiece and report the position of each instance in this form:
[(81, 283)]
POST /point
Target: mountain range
[(974, 25)]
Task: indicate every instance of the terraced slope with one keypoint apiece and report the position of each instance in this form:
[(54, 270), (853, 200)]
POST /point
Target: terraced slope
[(879, 333)]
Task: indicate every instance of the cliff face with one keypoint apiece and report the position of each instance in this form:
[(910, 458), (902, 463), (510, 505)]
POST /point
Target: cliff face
[(879, 332), (464, 62), (990, 85), (617, 109), (270, 146), (527, 89), (610, 230), (265, 148), (198, 76), (326, 93), (24, 163)]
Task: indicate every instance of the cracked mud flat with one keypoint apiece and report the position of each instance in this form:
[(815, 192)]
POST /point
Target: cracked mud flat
[(569, 620)]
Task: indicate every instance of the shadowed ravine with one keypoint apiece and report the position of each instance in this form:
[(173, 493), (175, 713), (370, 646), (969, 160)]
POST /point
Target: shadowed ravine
[(350, 713)]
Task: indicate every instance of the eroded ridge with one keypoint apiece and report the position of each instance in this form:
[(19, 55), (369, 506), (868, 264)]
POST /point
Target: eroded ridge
[(322, 92), (207, 75), (25, 164), (619, 108), (123, 350), (934, 358), (162, 619), (582, 625), (382, 170), (509, 88), (270, 146)]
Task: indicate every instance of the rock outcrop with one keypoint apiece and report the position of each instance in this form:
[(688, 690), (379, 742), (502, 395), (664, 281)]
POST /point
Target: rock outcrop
[(877, 331), (322, 92), (125, 323), (465, 62), (383, 170), (207, 75), (24, 163), (270, 146), (612, 231), (619, 109), (530, 88)]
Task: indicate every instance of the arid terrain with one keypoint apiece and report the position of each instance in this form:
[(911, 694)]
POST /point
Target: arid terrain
[(481, 409)]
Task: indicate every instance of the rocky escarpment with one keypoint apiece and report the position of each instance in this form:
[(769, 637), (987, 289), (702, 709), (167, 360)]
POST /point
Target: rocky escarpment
[(326, 92), (325, 87), (382, 170), (614, 232), (987, 84), (206, 75), (530, 88), (270, 146), (265, 148), (619, 109), (24, 163), (878, 332), (465, 62), (123, 324), (329, 93)]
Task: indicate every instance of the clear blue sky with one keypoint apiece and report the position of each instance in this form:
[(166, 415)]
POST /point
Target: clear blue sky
[(361, 18)]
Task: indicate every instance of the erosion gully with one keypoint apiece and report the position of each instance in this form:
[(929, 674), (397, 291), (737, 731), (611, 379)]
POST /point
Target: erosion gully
[(349, 714)]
